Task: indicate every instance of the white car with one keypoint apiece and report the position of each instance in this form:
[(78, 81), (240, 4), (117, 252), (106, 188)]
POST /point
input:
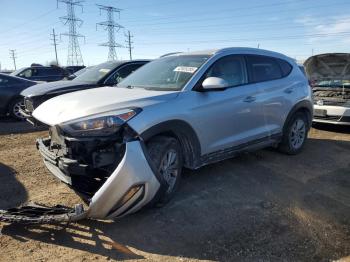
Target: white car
[(330, 77)]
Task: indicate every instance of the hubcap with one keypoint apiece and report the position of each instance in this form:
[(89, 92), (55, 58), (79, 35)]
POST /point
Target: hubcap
[(297, 134), (169, 168), (16, 109)]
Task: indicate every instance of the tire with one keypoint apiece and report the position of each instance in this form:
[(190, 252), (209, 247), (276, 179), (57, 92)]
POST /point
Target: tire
[(294, 134), (162, 151), (14, 109)]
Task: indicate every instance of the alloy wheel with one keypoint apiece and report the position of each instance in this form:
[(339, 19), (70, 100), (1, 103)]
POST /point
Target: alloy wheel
[(16, 109), (169, 168), (297, 133)]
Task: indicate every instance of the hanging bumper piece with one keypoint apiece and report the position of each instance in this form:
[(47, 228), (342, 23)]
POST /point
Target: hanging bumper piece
[(39, 214)]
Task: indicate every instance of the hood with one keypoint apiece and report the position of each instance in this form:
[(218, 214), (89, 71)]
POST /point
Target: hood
[(54, 87), (334, 66), (84, 103)]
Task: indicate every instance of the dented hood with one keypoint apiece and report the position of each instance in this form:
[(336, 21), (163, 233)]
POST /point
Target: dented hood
[(333, 66), (84, 103)]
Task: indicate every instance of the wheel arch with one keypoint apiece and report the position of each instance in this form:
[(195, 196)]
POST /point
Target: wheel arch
[(184, 133), (302, 106)]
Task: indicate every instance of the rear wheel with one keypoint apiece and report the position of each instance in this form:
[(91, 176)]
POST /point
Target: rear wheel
[(295, 134), (14, 109), (166, 155)]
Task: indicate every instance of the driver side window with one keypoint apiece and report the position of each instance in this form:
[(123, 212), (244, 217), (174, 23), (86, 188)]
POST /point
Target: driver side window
[(230, 68)]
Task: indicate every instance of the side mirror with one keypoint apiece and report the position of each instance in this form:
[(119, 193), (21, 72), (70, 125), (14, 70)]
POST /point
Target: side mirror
[(214, 83)]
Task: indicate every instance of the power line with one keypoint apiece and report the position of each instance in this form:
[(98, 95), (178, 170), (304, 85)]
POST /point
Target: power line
[(191, 19), (54, 36), (74, 53), (29, 21), (111, 26), (129, 43), (13, 56)]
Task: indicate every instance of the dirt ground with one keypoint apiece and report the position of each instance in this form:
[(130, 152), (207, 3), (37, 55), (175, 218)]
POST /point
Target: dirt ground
[(263, 206)]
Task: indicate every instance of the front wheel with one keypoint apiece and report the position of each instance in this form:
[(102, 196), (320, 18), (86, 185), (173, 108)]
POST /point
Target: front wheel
[(166, 155), (295, 134), (14, 109)]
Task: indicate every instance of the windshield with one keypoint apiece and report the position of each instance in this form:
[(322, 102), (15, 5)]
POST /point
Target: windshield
[(333, 83), (95, 73), (167, 73)]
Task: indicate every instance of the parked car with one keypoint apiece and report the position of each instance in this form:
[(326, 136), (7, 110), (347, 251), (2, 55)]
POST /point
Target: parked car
[(330, 78), (123, 148), (109, 73), (10, 100), (41, 73)]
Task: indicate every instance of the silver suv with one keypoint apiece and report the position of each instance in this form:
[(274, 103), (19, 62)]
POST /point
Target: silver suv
[(123, 148)]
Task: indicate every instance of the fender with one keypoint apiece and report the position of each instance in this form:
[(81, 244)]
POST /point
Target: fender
[(186, 136), (303, 105)]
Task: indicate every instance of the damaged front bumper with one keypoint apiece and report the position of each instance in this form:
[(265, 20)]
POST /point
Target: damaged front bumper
[(113, 185)]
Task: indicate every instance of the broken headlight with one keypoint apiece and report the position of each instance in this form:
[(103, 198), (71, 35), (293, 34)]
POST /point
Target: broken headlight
[(99, 125)]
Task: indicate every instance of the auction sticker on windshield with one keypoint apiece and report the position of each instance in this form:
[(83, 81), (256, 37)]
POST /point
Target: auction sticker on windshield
[(186, 69)]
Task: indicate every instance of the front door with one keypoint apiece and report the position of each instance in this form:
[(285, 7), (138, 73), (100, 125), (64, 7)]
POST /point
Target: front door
[(227, 118)]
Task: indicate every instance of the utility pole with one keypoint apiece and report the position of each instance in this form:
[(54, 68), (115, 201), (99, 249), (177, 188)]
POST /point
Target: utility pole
[(111, 26), (74, 53), (13, 56), (54, 43), (129, 43)]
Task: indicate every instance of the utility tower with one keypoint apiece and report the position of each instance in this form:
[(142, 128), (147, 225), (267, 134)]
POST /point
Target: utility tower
[(54, 39), (111, 26), (74, 53), (13, 56), (129, 43)]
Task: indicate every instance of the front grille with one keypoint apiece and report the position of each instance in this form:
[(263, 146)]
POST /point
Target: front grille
[(331, 118), (333, 103), (28, 105)]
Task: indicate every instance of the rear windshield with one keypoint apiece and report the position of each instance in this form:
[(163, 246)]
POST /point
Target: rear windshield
[(332, 83)]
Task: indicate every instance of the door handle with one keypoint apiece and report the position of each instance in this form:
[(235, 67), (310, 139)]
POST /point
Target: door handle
[(289, 90), (249, 99)]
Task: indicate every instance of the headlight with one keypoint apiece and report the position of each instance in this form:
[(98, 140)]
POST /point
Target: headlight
[(99, 125)]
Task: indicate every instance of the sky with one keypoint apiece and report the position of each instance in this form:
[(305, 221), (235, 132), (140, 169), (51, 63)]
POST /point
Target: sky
[(297, 28)]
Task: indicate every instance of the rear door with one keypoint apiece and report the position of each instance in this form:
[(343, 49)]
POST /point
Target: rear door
[(275, 90)]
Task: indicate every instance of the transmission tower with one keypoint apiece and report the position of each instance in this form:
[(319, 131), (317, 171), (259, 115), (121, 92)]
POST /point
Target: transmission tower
[(111, 26), (74, 53), (54, 39), (129, 43), (13, 56)]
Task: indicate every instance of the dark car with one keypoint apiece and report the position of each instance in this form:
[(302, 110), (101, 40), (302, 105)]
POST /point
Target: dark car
[(105, 74), (42, 73), (10, 99)]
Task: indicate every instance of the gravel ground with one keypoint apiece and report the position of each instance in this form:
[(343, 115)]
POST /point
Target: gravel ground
[(262, 206)]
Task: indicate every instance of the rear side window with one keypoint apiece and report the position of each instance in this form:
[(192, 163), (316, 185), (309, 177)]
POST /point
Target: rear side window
[(285, 67), (263, 68)]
